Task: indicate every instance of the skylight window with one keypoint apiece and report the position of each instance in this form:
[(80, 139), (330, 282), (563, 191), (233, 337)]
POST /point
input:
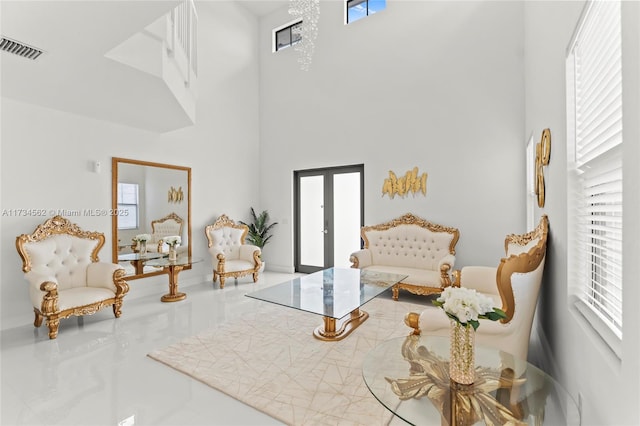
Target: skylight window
[(287, 36), (358, 9)]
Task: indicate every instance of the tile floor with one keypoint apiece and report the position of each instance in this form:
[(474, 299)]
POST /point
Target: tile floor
[(97, 373)]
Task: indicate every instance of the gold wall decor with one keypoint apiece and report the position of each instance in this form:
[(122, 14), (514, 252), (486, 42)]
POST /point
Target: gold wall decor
[(409, 183), (175, 195), (543, 153)]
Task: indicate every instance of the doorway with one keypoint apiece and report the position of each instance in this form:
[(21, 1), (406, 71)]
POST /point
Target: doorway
[(329, 213)]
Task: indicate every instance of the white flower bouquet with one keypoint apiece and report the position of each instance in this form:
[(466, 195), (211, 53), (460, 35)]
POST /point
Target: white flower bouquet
[(173, 240), (142, 237), (467, 306)]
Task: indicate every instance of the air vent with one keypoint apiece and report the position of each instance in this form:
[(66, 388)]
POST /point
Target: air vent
[(19, 49)]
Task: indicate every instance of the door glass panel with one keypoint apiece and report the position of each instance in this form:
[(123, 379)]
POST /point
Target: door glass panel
[(312, 221), (346, 213)]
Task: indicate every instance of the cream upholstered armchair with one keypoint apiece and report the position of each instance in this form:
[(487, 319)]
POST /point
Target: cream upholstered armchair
[(514, 285), (170, 225), (65, 276), (231, 256)]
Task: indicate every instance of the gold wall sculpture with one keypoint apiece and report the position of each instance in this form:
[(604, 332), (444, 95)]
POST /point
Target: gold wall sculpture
[(543, 153), (409, 183), (175, 195)]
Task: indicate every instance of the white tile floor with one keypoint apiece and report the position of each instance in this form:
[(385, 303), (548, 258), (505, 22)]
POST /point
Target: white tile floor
[(97, 373)]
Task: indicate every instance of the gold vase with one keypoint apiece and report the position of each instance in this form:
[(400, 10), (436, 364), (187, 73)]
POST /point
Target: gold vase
[(462, 353)]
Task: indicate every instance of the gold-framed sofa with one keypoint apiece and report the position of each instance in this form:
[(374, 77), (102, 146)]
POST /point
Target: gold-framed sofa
[(230, 255), (412, 246), (60, 261)]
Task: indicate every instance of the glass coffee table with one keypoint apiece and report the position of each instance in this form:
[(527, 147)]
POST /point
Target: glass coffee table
[(335, 293), (410, 377)]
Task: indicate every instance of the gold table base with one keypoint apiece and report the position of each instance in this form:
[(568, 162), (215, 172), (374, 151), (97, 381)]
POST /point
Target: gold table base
[(328, 332), (173, 295)]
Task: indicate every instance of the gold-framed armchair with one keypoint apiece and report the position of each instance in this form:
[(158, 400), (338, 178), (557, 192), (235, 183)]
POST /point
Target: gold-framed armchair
[(60, 261), (231, 256), (513, 285)]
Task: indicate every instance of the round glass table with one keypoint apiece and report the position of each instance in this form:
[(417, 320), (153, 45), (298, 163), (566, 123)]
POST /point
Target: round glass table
[(410, 377)]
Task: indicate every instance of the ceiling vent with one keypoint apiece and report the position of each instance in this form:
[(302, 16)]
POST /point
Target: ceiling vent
[(19, 49)]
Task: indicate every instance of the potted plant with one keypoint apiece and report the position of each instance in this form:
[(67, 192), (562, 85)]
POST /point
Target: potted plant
[(259, 229)]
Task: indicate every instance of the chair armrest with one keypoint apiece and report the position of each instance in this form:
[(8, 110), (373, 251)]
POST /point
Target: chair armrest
[(361, 258), (43, 292), (102, 274), (247, 252), (445, 266)]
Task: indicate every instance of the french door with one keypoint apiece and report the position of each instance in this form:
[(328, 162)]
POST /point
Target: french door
[(328, 216)]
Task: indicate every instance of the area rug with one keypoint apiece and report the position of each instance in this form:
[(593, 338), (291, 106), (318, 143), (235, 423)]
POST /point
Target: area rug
[(270, 360)]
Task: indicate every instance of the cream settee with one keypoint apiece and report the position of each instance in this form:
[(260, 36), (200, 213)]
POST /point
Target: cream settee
[(410, 246)]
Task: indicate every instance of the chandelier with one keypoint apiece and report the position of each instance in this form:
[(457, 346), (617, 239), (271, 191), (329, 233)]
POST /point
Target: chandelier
[(309, 12)]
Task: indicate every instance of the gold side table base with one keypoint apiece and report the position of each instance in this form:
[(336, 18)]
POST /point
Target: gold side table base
[(173, 297), (328, 332)]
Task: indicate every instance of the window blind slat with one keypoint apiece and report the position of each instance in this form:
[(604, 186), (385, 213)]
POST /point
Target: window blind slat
[(594, 98)]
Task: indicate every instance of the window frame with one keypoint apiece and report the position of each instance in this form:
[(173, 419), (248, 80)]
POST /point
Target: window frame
[(347, 7), (288, 26), (126, 206), (588, 279)]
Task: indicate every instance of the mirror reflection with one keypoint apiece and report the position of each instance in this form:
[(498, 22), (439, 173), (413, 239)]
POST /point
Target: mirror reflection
[(156, 202)]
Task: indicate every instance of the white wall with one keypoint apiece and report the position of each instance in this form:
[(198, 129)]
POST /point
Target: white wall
[(608, 386), (437, 85), (46, 156)]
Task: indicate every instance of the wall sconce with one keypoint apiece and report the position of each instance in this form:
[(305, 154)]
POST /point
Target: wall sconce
[(543, 154), (175, 195), (410, 182)]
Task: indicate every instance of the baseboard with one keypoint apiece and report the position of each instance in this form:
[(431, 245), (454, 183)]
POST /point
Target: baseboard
[(280, 268)]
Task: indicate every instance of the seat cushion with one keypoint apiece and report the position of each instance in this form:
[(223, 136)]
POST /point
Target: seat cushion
[(80, 296), (237, 265), (416, 276)]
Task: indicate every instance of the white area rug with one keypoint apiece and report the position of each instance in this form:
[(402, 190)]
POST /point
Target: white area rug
[(271, 361)]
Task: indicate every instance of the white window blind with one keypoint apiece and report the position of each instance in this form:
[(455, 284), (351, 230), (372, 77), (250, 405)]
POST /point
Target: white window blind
[(594, 92)]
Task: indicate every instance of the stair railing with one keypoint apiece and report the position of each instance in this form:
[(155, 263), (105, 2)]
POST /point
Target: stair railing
[(184, 20)]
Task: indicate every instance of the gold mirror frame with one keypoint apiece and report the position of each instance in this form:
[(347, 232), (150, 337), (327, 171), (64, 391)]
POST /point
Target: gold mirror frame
[(115, 161)]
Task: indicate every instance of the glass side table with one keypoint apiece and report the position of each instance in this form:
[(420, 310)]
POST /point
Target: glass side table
[(138, 260), (410, 377), (173, 268)]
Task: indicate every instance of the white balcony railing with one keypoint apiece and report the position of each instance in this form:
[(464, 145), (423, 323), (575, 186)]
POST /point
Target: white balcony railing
[(184, 22)]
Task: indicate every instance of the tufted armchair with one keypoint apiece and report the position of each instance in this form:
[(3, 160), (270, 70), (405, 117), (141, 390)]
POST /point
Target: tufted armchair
[(170, 225), (65, 276), (514, 285), (231, 256), (409, 246)]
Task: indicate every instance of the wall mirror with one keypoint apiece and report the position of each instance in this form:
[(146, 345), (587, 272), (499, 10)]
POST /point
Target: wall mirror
[(148, 196)]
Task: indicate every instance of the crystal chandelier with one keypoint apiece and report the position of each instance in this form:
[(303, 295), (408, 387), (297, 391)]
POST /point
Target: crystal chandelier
[(309, 12)]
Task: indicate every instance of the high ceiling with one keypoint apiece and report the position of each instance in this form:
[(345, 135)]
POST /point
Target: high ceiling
[(73, 74)]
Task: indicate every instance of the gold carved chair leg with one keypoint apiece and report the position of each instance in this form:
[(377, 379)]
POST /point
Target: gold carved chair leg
[(53, 322), (396, 292), (221, 281), (38, 320)]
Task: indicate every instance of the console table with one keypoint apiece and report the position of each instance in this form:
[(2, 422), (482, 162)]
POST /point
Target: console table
[(173, 268)]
